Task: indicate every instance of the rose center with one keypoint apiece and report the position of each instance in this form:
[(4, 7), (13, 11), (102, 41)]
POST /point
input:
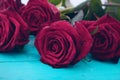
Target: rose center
[(100, 39), (34, 19), (54, 46)]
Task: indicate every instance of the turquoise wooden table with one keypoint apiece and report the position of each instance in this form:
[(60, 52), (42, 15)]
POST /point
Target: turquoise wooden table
[(25, 65)]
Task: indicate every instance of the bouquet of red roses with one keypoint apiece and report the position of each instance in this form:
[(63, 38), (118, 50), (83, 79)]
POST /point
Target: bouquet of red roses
[(64, 34)]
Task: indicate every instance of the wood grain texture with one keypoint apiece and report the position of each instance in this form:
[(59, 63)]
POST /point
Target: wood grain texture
[(25, 65)]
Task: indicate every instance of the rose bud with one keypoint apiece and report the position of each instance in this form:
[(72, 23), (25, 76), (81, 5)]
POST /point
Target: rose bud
[(60, 44)]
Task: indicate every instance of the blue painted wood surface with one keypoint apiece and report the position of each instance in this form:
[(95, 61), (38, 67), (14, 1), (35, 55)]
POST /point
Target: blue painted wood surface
[(25, 65)]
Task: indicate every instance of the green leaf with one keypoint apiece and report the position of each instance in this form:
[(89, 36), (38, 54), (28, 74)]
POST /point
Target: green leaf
[(55, 2), (63, 3), (64, 17), (114, 10), (59, 5), (73, 11), (89, 15), (94, 8)]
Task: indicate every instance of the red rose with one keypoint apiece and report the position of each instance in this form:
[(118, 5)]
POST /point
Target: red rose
[(38, 12), (13, 31), (15, 4), (60, 44), (5, 4), (106, 44), (87, 23), (86, 39)]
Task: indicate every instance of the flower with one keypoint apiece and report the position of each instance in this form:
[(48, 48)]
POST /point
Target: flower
[(13, 31), (5, 4), (106, 45), (14, 4), (60, 44), (39, 12)]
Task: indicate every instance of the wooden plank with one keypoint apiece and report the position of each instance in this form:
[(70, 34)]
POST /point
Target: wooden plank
[(36, 70), (29, 53), (26, 66)]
